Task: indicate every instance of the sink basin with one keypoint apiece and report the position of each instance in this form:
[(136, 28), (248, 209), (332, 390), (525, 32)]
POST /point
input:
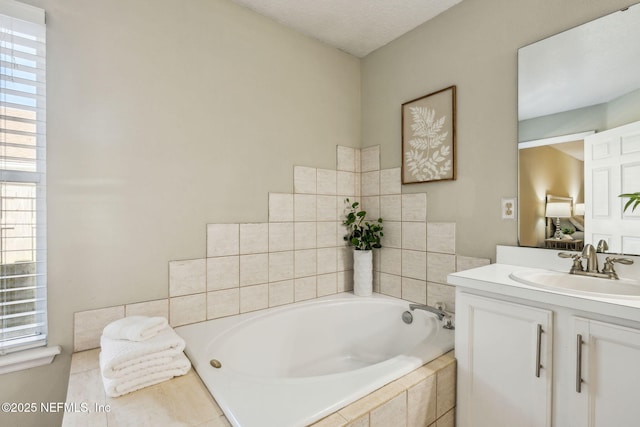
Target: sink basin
[(576, 284)]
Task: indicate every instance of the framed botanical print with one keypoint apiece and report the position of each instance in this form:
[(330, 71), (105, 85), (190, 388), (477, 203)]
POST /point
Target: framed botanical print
[(429, 137)]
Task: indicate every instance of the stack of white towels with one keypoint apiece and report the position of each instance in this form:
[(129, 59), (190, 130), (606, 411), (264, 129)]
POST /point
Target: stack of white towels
[(140, 351)]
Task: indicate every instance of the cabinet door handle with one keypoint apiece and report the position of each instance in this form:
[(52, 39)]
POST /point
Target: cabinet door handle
[(538, 350), (579, 363)]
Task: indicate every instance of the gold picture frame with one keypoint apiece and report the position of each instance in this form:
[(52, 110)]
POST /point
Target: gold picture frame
[(429, 137)]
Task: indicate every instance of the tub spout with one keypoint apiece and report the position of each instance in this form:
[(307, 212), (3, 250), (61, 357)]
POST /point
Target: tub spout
[(440, 313)]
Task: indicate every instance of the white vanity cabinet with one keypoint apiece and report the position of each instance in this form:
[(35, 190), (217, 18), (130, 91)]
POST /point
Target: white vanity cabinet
[(504, 363), (608, 365), (534, 358)]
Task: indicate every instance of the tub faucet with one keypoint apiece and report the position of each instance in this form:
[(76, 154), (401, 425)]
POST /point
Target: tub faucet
[(440, 313)]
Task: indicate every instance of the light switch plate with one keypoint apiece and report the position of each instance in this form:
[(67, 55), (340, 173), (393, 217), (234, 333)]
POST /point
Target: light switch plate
[(508, 208)]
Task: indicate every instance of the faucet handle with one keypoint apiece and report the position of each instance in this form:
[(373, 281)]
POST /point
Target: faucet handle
[(577, 260), (625, 261), (572, 255)]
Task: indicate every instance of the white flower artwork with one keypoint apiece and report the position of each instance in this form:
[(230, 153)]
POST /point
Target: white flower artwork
[(428, 140)]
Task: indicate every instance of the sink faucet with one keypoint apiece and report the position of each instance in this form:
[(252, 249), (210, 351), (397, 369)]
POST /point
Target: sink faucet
[(589, 252)]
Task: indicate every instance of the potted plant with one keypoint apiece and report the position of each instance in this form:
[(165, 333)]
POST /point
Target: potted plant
[(365, 237), (633, 202)]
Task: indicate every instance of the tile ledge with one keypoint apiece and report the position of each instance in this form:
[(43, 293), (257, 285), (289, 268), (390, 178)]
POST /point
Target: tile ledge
[(27, 359)]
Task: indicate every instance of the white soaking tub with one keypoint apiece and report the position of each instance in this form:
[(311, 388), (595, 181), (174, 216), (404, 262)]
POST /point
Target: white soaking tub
[(292, 365)]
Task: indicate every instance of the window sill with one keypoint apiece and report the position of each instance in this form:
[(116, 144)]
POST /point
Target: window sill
[(28, 359)]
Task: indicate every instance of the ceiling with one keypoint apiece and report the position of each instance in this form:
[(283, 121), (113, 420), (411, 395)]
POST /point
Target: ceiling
[(357, 27)]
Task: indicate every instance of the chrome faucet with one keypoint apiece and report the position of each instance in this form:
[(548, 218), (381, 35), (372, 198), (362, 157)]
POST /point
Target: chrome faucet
[(589, 252), (440, 313)]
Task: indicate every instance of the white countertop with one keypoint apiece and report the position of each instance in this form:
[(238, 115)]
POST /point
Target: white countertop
[(495, 279)]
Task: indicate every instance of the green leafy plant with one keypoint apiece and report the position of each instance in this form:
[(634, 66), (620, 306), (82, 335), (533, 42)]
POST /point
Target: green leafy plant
[(361, 234), (568, 230), (633, 202)]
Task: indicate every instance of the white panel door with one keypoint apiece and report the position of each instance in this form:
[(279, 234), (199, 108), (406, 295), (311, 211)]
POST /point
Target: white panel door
[(612, 167), (610, 375), (499, 347)]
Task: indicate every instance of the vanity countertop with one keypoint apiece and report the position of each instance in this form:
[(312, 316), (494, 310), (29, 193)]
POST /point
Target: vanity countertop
[(180, 401), (495, 279)]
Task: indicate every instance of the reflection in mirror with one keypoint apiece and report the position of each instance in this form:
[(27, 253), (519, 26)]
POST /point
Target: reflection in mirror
[(575, 88)]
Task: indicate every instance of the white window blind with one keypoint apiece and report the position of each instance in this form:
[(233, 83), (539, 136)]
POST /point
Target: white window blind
[(23, 304)]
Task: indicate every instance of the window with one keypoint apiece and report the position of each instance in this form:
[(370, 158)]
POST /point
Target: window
[(23, 278)]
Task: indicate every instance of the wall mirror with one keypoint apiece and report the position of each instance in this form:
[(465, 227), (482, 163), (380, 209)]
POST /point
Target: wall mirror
[(579, 135)]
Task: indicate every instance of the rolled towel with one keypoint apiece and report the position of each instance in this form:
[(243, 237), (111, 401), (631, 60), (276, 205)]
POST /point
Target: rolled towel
[(135, 328), (118, 387), (121, 357)]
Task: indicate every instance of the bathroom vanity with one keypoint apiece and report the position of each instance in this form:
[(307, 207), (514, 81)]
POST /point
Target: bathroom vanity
[(532, 355)]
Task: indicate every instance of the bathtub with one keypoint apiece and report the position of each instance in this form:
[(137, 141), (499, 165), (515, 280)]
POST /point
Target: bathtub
[(292, 365)]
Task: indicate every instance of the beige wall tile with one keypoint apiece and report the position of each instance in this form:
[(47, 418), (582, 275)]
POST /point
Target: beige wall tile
[(333, 420), (371, 183), (280, 293), (371, 205), (392, 413), (467, 263), (414, 207), (88, 326), (280, 207), (187, 277), (304, 180), (254, 269), (345, 258), (187, 309), (346, 159), (345, 280), (326, 233), (391, 261), (392, 234), (358, 153), (414, 263), (370, 158), (281, 236), (363, 421), (327, 260), (341, 232), (327, 182), (304, 235), (254, 298), (447, 420), (446, 294), (83, 361), (254, 238), (441, 237), (390, 181), (304, 207), (346, 183), (223, 303), (156, 308), (391, 207), (446, 385), (305, 262), (376, 281), (371, 401), (414, 290), (414, 236), (421, 403), (223, 239), (439, 266), (327, 284), (223, 272), (327, 208), (391, 285), (280, 266), (305, 288)]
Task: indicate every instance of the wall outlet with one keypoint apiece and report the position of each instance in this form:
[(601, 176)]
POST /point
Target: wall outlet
[(508, 208)]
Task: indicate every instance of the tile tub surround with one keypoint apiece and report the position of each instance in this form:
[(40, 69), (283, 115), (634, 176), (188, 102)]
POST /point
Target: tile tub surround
[(424, 397), (300, 253)]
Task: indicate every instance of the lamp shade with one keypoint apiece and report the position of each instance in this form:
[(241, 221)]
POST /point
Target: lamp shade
[(558, 210), (579, 210)]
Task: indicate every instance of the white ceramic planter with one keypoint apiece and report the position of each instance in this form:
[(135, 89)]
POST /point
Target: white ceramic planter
[(362, 273)]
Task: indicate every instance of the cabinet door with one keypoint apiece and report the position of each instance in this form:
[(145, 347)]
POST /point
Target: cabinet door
[(504, 363), (610, 374)]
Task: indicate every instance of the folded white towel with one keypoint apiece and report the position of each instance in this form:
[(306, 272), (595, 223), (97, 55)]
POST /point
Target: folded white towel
[(120, 358), (135, 328), (145, 378)]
